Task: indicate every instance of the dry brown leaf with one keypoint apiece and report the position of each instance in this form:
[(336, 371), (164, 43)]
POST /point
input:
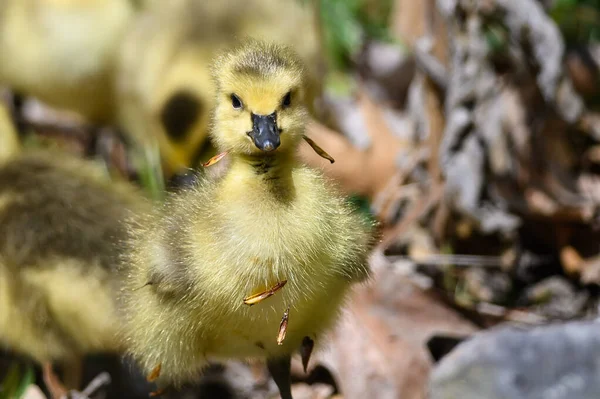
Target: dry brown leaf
[(379, 349)]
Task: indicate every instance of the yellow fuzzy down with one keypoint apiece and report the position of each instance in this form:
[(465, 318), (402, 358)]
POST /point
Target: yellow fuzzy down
[(58, 313), (60, 229), (191, 263)]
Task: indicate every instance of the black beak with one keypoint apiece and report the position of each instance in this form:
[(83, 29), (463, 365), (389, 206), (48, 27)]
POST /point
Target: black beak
[(265, 132)]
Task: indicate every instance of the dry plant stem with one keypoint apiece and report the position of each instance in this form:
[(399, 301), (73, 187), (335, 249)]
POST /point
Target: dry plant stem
[(283, 327), (505, 314), (99, 381), (55, 387), (261, 296), (454, 260), (318, 149), (155, 373), (436, 124)]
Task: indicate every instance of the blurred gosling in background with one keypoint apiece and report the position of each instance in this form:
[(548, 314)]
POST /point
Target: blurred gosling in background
[(60, 219)]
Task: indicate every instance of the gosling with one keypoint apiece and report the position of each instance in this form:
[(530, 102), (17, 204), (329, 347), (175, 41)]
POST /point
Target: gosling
[(164, 88), (59, 219), (255, 263)]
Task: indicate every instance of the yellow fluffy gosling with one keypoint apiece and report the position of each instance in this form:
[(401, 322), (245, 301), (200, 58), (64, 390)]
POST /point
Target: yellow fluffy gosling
[(59, 220), (212, 273)]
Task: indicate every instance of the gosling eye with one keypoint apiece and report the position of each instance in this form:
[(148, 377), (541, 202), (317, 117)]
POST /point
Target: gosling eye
[(236, 102), (287, 100)]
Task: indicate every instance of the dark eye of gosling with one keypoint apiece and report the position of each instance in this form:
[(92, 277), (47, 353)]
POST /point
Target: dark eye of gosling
[(287, 100), (236, 102)]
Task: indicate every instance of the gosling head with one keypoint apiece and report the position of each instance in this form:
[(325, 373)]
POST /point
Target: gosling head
[(260, 99)]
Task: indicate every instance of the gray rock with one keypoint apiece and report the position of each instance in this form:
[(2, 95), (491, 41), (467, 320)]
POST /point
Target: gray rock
[(560, 361)]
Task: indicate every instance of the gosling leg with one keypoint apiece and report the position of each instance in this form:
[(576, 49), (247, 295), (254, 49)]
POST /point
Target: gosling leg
[(280, 370)]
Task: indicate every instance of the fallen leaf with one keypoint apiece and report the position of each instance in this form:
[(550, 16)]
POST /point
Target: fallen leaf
[(379, 349)]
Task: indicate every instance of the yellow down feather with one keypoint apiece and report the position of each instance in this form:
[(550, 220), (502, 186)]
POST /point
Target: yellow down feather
[(191, 263)]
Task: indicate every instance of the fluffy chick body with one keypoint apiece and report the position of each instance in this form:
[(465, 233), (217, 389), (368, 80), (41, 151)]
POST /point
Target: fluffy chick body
[(59, 219), (266, 220), (212, 247), (63, 51), (165, 90)]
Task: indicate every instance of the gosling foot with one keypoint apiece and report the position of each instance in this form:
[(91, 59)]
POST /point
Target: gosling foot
[(280, 370)]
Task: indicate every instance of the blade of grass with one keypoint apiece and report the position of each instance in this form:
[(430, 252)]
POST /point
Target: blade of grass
[(26, 380), (10, 383), (150, 172)]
